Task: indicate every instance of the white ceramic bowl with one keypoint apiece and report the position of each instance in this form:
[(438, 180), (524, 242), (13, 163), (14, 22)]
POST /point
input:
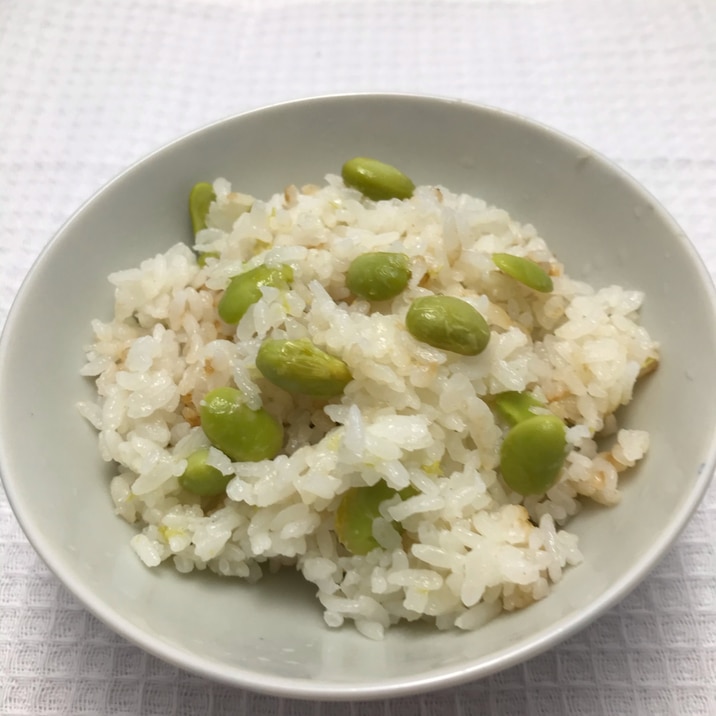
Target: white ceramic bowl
[(271, 637)]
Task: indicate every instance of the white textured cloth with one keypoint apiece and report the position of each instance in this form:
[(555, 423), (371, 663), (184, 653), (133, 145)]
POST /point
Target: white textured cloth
[(89, 86)]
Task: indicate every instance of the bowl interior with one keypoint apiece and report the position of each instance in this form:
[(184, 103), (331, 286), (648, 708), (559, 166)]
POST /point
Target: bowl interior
[(271, 636)]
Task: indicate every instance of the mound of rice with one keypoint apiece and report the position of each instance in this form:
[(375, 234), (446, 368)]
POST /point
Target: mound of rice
[(413, 415)]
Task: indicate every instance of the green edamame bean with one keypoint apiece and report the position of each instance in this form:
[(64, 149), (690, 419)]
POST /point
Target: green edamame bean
[(532, 454), (524, 270), (204, 255), (514, 407), (448, 323), (200, 198), (301, 367), (245, 435), (378, 276), (203, 479), (407, 492), (355, 514), (245, 289), (376, 180)]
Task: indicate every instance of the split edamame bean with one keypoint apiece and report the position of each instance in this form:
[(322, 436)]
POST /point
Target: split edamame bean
[(357, 510), (245, 289), (204, 255), (448, 323), (200, 198), (532, 454), (378, 276), (376, 180), (245, 435), (524, 270), (301, 367), (203, 479), (514, 407)]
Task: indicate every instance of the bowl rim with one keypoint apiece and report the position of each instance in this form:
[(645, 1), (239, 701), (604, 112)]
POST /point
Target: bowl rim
[(304, 688)]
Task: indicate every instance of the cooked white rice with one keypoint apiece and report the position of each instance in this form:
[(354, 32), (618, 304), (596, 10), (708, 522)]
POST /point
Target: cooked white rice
[(413, 415)]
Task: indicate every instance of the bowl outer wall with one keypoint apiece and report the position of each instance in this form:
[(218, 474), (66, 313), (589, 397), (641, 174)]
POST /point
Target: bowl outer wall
[(270, 637)]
